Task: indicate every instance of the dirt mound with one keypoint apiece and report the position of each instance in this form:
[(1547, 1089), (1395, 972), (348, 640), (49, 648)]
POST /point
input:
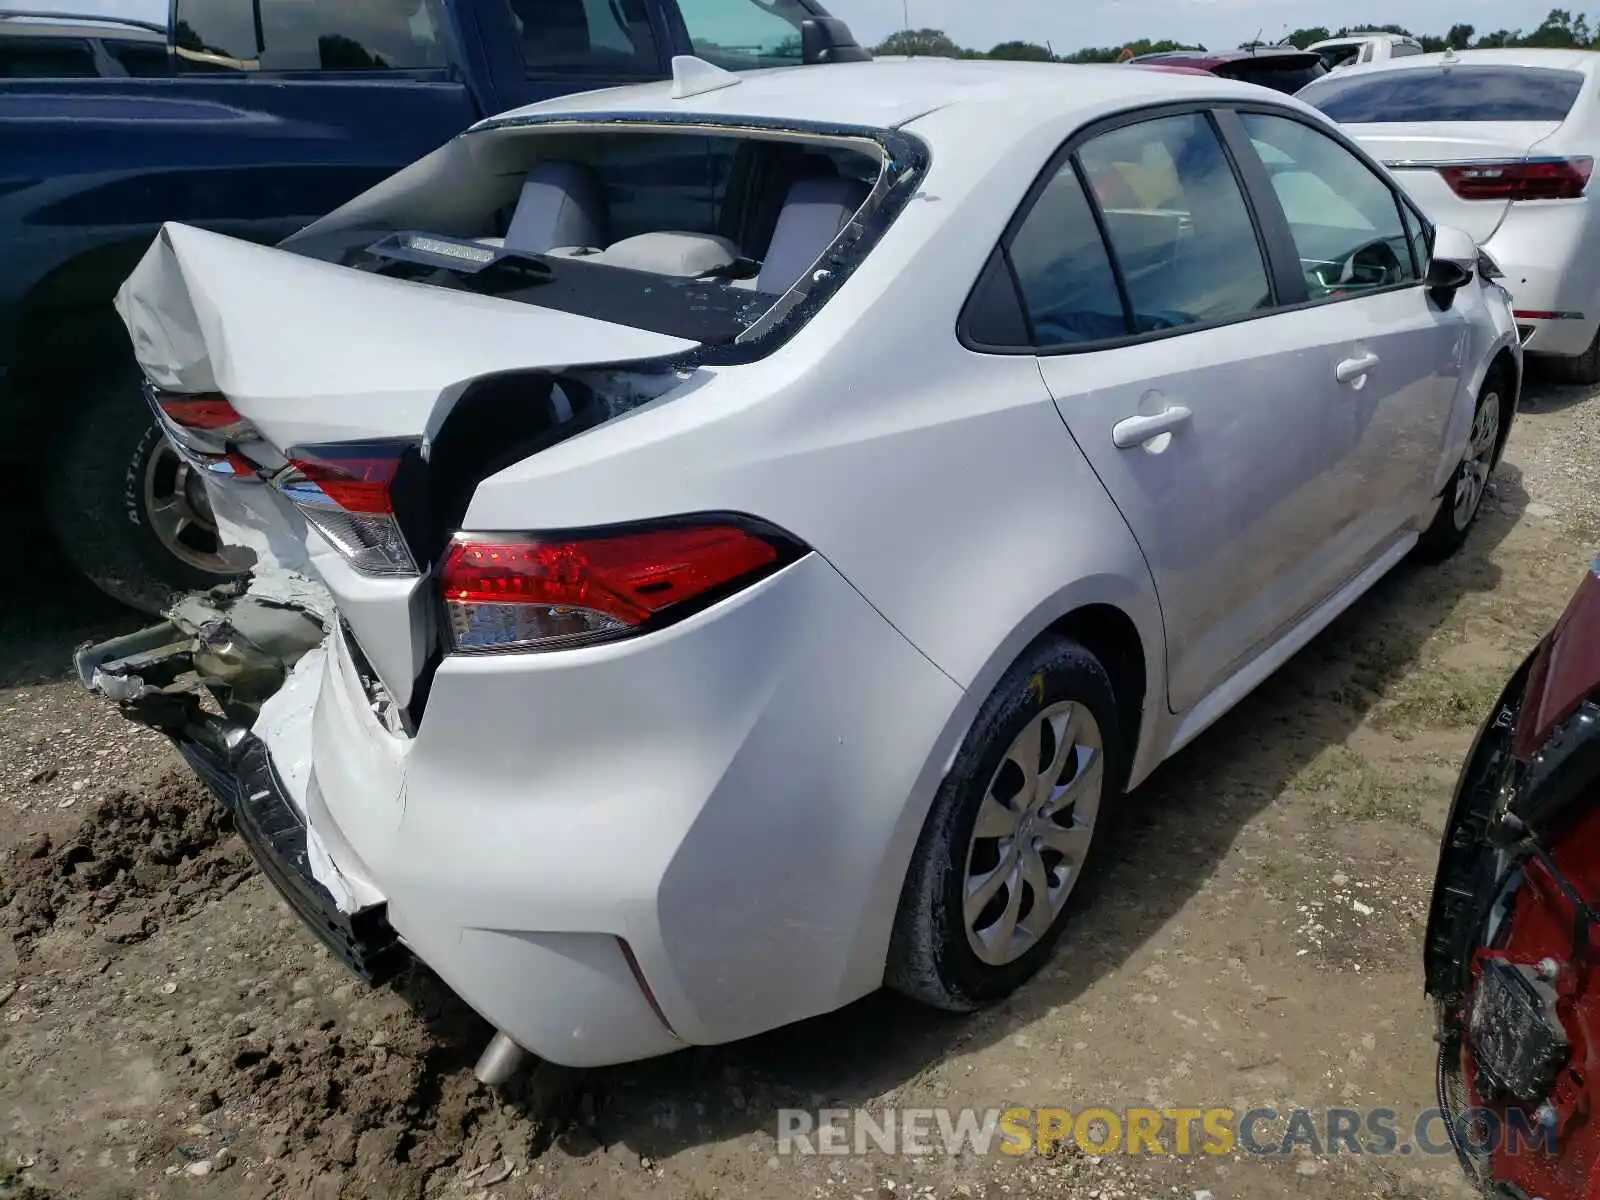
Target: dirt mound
[(378, 1113), (138, 859)]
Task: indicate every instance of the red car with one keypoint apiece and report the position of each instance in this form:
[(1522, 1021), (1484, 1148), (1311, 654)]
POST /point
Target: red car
[(1282, 68), (1512, 957)]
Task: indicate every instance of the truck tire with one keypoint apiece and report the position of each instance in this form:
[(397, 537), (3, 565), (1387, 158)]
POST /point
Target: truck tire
[(125, 510)]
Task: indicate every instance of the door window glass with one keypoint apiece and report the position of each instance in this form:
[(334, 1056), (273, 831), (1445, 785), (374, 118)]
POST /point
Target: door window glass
[(303, 35), (45, 58), (1178, 223), (1062, 268), (586, 37), (744, 35), (1344, 218)]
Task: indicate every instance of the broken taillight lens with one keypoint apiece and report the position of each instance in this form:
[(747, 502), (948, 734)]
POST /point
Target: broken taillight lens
[(344, 491), (205, 429), (1520, 179), (506, 593)]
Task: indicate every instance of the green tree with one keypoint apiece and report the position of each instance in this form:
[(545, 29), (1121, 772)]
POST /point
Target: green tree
[(1561, 30), (1103, 54), (1022, 52), (1459, 37), (1305, 37), (1497, 39), (920, 43)]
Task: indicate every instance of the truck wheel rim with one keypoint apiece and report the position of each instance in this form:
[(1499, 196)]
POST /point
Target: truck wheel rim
[(179, 513), (1032, 833)]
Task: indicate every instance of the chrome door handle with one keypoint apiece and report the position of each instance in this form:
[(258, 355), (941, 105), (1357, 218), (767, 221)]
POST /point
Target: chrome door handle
[(1355, 368), (1136, 431)]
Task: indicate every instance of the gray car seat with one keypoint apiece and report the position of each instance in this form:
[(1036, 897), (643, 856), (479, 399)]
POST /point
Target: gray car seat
[(562, 205), (814, 212)]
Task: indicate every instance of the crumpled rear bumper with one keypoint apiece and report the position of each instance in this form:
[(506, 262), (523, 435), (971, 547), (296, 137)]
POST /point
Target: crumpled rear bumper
[(249, 788)]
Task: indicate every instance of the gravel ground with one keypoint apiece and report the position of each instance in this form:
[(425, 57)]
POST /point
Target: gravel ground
[(1249, 937)]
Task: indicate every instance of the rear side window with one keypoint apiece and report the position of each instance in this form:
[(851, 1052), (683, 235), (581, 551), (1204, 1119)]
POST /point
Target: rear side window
[(743, 35), (1459, 92), (45, 58), (1063, 270), (1179, 227), (303, 35), (604, 37)]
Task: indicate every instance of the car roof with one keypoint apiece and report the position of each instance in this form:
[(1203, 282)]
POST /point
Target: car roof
[(1352, 39), (888, 95), (1585, 61)]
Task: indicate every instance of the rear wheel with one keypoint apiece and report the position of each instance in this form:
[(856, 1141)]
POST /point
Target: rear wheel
[(1005, 842), (126, 510), (1584, 369), (1463, 495)]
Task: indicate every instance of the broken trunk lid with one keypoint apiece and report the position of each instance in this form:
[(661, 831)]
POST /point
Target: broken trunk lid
[(309, 351), (312, 353)]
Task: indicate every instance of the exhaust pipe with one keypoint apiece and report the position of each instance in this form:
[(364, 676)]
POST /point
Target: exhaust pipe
[(499, 1060)]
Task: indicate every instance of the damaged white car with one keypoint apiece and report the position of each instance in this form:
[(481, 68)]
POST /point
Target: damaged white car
[(721, 543)]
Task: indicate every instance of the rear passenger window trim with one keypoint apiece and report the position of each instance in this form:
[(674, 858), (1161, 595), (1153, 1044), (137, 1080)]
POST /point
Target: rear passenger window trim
[(1068, 153)]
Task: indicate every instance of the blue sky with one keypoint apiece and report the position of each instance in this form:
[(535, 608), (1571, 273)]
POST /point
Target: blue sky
[(1070, 24)]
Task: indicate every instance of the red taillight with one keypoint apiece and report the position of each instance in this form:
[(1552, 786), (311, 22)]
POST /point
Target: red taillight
[(207, 414), (345, 493), (1520, 179), (529, 593)]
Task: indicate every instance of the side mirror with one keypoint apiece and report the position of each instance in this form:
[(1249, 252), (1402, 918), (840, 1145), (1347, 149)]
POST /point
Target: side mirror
[(829, 40), (1454, 261)]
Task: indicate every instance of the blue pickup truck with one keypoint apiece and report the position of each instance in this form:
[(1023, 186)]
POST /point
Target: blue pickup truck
[(252, 117)]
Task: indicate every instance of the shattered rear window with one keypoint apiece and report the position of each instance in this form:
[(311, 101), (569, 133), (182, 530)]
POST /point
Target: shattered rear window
[(706, 232)]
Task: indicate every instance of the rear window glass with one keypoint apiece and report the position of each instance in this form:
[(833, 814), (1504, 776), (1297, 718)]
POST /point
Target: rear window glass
[(1455, 93), (1282, 77)]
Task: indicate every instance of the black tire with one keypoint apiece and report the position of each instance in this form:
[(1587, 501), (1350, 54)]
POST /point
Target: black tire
[(94, 496), (1448, 533), (930, 956), (1583, 369)]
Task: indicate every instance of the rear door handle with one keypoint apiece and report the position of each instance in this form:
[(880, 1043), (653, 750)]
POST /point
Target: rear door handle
[(1355, 368), (1136, 431)]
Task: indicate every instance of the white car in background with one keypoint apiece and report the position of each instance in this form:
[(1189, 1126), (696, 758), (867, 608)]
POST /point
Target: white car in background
[(1501, 144), (1355, 49), (734, 535)]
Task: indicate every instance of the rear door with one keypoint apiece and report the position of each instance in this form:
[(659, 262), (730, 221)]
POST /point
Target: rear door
[(1445, 129), (1202, 404)]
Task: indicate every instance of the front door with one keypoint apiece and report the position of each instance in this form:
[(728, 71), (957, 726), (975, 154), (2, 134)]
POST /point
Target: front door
[(1397, 354), (1198, 393)]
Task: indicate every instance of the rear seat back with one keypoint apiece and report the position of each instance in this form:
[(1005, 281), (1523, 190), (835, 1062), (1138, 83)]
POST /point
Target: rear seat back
[(813, 214), (562, 204)]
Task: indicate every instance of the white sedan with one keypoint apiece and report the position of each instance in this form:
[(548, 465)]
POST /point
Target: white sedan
[(733, 536), (1500, 144)]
